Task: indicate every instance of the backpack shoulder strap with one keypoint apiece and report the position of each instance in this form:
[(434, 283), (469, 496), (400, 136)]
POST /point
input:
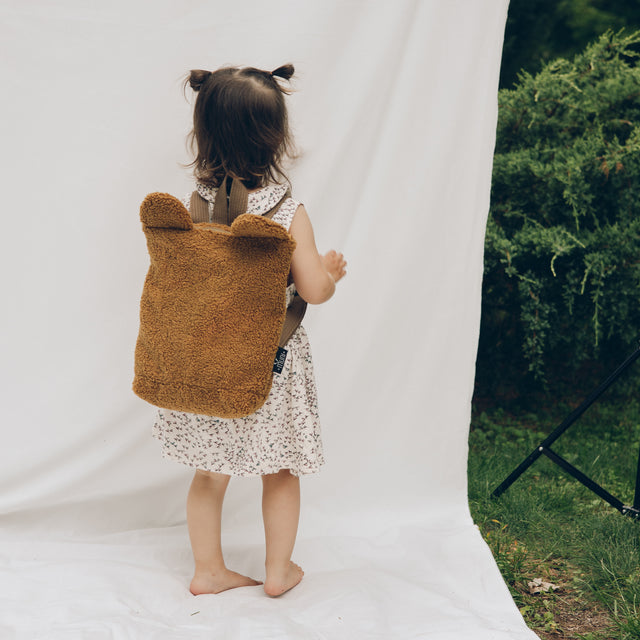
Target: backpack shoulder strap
[(226, 211), (199, 208), (298, 307), (293, 319)]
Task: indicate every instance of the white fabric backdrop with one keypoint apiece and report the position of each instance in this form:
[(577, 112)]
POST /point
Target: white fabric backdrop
[(394, 114)]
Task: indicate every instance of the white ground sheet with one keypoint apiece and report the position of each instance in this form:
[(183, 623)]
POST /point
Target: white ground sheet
[(394, 114)]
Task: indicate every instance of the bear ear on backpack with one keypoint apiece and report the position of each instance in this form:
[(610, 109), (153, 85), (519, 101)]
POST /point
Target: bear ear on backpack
[(164, 211), (248, 225)]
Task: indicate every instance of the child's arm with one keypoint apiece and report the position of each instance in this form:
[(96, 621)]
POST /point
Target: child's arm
[(315, 276)]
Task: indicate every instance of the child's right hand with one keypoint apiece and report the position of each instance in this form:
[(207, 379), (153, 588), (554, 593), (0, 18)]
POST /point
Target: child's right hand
[(335, 264), (314, 275)]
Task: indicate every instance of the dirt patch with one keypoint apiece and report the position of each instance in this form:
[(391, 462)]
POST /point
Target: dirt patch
[(566, 613), (575, 618)]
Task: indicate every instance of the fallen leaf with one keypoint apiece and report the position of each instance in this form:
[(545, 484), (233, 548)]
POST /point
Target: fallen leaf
[(538, 585)]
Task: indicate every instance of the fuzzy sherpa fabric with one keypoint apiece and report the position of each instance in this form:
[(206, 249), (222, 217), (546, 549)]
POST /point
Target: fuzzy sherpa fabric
[(212, 309)]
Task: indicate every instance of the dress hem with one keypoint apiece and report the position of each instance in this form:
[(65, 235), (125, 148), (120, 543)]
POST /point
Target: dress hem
[(294, 471)]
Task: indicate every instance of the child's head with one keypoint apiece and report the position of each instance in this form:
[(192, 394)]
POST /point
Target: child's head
[(240, 125)]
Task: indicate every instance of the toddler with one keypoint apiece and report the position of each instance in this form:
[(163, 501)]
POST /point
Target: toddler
[(241, 130)]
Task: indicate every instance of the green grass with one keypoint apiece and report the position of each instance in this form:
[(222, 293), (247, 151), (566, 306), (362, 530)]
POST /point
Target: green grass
[(549, 526)]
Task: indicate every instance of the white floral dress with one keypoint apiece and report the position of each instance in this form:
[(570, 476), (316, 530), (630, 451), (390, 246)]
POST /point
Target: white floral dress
[(285, 432)]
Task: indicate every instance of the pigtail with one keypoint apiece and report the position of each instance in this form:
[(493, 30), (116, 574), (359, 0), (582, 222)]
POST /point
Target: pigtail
[(197, 78), (285, 71)]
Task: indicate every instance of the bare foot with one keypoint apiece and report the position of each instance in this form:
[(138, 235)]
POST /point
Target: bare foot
[(279, 582), (218, 582)]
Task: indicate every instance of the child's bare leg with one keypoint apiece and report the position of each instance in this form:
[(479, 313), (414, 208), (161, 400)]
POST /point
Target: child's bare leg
[(204, 515), (281, 512)]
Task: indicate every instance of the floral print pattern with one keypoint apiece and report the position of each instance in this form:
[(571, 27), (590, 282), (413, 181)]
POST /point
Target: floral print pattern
[(285, 432)]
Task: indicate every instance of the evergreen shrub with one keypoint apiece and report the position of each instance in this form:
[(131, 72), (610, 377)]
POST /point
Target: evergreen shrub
[(561, 287)]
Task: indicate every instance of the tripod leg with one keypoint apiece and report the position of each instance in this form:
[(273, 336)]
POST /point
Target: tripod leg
[(517, 472), (558, 431), (636, 498)]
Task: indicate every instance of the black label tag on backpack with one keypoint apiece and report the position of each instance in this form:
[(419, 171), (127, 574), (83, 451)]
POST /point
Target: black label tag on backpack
[(281, 357)]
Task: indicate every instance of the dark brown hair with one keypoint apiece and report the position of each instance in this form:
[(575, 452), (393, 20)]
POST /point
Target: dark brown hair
[(240, 125)]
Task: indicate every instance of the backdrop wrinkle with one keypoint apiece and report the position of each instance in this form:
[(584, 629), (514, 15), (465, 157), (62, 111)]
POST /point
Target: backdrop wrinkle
[(394, 114)]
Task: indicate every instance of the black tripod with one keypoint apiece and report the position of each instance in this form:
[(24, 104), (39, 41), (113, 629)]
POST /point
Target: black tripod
[(544, 448)]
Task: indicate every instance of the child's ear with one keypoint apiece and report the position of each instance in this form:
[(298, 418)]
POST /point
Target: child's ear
[(164, 211)]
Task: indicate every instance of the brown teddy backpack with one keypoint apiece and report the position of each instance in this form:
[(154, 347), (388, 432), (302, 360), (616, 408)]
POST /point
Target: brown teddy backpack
[(213, 315)]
